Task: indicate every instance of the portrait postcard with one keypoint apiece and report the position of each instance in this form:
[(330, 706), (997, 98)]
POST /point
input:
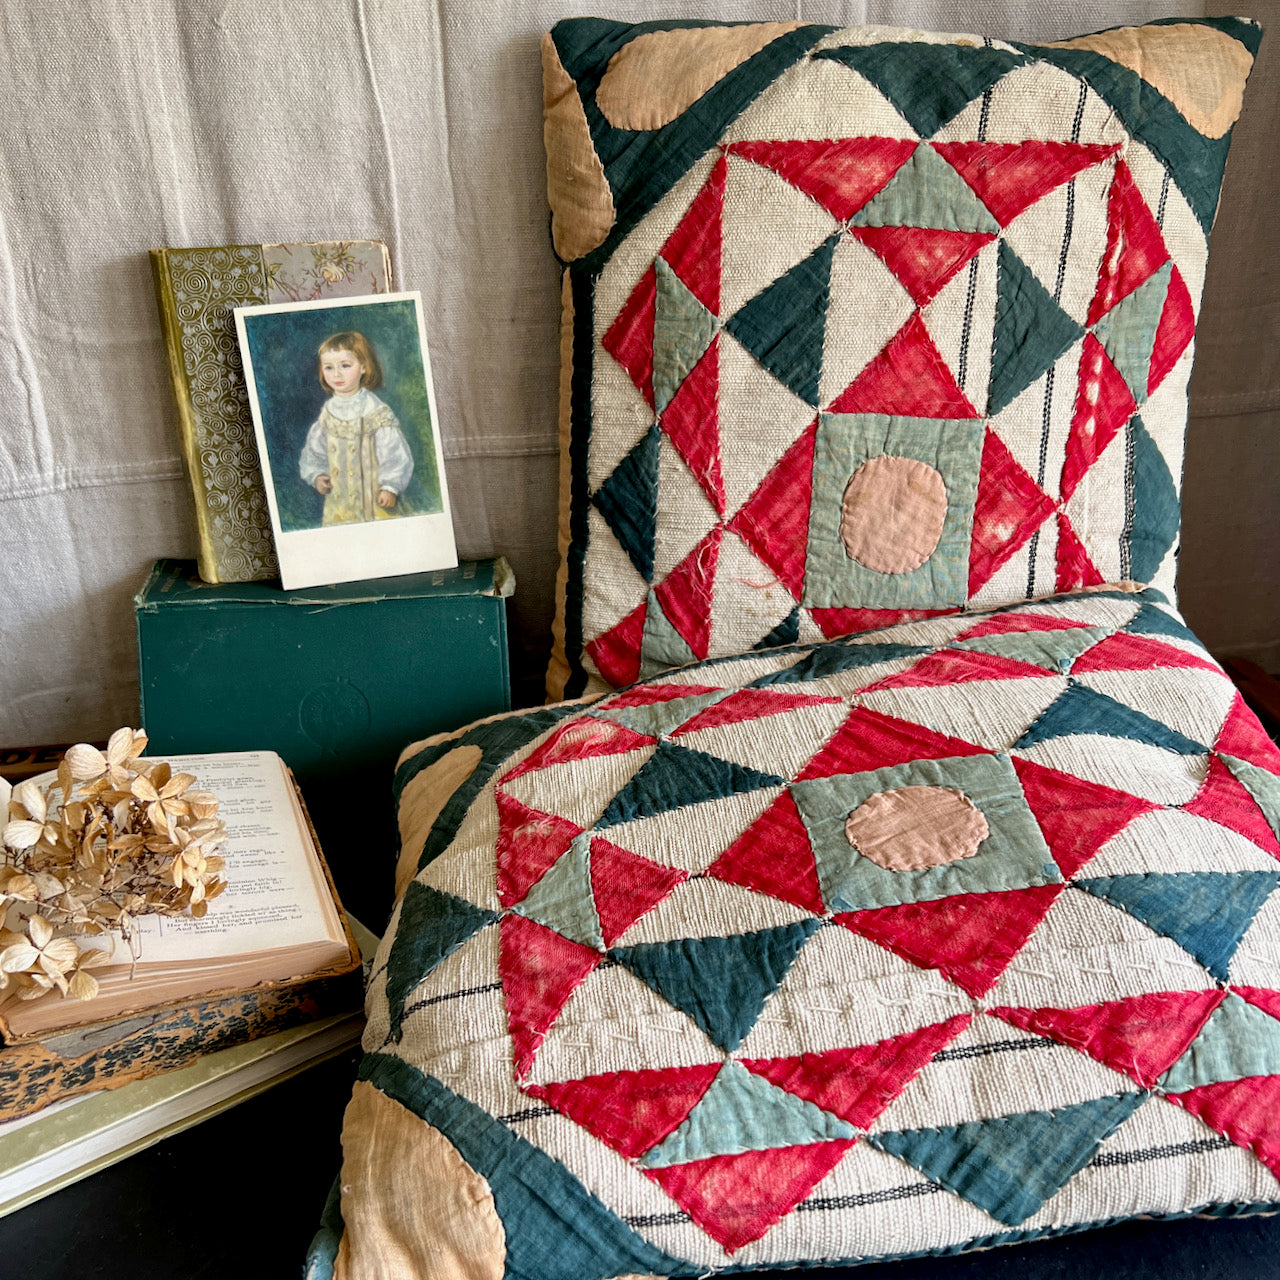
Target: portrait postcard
[(345, 418)]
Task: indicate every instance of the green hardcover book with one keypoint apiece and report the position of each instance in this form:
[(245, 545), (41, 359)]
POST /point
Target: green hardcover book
[(197, 290)]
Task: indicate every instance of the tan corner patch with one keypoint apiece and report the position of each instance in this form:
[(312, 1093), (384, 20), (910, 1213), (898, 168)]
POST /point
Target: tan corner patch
[(1201, 70), (422, 801), (558, 666), (658, 76), (410, 1203), (582, 212)]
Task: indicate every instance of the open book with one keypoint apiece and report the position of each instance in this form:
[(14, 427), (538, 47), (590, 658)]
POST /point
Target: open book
[(278, 919)]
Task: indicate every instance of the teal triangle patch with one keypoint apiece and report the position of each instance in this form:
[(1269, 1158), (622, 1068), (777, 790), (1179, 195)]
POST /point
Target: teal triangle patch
[(682, 331), (432, 926), (661, 646), (676, 776), (1239, 1040), (628, 500), (1264, 787), (927, 192), (929, 84), (721, 983), (1128, 331), (1156, 510), (654, 719), (786, 632), (784, 326), (1031, 330), (744, 1112), (562, 898), (1011, 1165), (1053, 650), (1151, 620), (831, 659), (1205, 912), (1084, 710)]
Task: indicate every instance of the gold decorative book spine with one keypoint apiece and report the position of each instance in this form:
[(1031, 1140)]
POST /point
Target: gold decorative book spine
[(197, 290)]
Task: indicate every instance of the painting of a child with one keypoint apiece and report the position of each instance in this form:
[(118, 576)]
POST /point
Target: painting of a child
[(355, 455)]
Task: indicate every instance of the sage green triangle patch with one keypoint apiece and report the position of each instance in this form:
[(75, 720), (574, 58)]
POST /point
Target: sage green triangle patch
[(1053, 650), (682, 331), (562, 899), (661, 645), (658, 718), (1239, 1040), (1128, 331), (927, 192), (1264, 787), (744, 1112)]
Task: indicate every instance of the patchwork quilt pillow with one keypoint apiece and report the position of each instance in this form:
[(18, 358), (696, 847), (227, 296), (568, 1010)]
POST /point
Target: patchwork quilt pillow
[(948, 935), (865, 325)]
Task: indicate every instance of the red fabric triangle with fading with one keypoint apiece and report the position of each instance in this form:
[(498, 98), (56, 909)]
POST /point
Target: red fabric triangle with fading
[(1127, 652), (685, 594), (691, 422), (841, 175), (834, 623), (1009, 508), (1009, 177), (540, 969), (1142, 1036), (736, 1199), (857, 1084), (629, 339), (529, 841), (631, 1111), (581, 739), (1174, 332), (1075, 569), (909, 377), (625, 886), (773, 856), (959, 666), (1243, 737), (750, 704), (970, 938), (775, 520), (693, 248), (1104, 404), (1004, 624), (1267, 1001), (1135, 248), (922, 258), (1223, 799), (1076, 817), (616, 653), (870, 740), (1246, 1111)]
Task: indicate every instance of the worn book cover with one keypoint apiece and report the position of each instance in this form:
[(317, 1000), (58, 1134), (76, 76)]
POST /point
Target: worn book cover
[(197, 290)]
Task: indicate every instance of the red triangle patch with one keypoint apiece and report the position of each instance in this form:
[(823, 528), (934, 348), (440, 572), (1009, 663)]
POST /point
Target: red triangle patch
[(1004, 624), (834, 623), (1267, 1001), (581, 739), (540, 970), (1223, 799), (909, 377), (1125, 651), (923, 259), (841, 175), (775, 520), (870, 740), (959, 666), (617, 652), (1135, 248), (691, 422), (629, 339), (857, 1084), (631, 1111), (970, 938), (750, 704), (685, 594), (1009, 177), (1142, 1036), (693, 248), (1246, 1111), (625, 886), (1075, 569), (773, 856), (1076, 817), (1243, 737), (1009, 508), (736, 1199), (529, 841), (1104, 404), (1174, 332)]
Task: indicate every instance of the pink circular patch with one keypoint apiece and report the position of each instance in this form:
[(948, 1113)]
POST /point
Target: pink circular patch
[(914, 828), (893, 514)]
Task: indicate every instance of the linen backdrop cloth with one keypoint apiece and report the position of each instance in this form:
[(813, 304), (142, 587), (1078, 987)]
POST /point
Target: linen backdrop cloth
[(130, 124)]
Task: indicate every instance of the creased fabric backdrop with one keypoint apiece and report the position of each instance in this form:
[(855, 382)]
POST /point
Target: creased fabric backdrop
[(125, 126)]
